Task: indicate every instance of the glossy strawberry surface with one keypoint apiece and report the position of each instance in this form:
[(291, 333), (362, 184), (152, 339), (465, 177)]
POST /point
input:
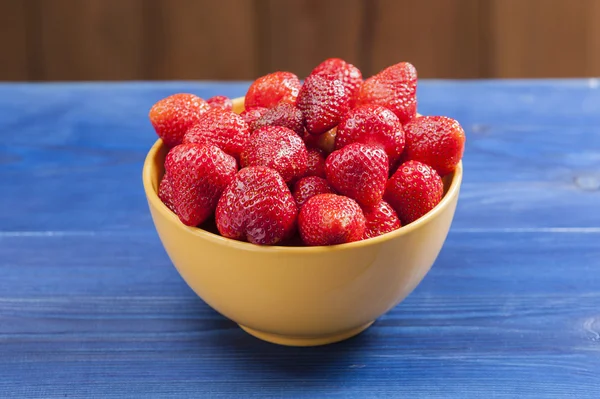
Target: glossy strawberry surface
[(438, 141), (395, 88), (358, 171), (269, 90), (374, 125), (414, 190), (323, 101), (198, 173), (381, 219), (283, 114), (225, 129), (257, 207), (172, 116), (350, 75), (310, 186), (278, 148), (329, 219), (220, 102)]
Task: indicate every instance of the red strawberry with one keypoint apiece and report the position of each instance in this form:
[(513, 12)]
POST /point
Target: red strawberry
[(315, 165), (395, 88), (350, 75), (257, 207), (358, 171), (220, 102), (283, 114), (414, 190), (329, 219), (310, 186), (278, 148), (381, 219), (165, 192), (437, 141), (323, 101), (269, 90), (325, 142), (199, 173), (374, 125), (171, 117), (225, 129), (250, 115)]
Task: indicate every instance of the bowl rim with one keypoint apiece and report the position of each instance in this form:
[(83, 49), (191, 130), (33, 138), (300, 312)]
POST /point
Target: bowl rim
[(154, 200)]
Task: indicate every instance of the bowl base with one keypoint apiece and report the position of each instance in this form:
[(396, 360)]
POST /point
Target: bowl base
[(305, 341)]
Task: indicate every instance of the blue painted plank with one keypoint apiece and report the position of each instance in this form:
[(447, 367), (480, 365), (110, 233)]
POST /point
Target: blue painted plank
[(515, 314), (78, 144), (470, 263), (91, 307), (563, 103)]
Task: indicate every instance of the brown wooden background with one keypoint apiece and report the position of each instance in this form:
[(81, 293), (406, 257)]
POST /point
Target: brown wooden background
[(242, 39)]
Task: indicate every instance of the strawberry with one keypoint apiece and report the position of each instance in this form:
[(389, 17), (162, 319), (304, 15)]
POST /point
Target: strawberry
[(269, 90), (325, 141), (395, 88), (250, 115), (350, 75), (315, 165), (323, 100), (172, 116), (381, 219), (225, 129), (199, 173), (278, 148), (358, 171), (310, 186), (165, 192), (220, 102), (414, 190), (329, 219), (283, 114), (257, 207), (437, 141), (374, 125)]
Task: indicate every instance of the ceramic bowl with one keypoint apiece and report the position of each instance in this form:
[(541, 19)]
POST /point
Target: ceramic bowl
[(301, 296)]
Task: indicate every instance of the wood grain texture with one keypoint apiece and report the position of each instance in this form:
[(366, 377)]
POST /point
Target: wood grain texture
[(67, 134), (190, 39), (14, 62), (593, 42), (91, 307), (441, 38), (242, 39), (503, 262), (558, 44), (299, 34), (484, 322), (90, 40)]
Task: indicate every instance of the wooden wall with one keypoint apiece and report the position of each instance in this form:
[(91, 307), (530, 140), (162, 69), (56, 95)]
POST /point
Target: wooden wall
[(242, 39)]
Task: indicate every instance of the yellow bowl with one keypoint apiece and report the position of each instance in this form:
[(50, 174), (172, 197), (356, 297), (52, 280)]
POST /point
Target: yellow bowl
[(301, 296)]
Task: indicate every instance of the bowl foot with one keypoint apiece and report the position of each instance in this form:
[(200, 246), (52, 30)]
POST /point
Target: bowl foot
[(305, 341)]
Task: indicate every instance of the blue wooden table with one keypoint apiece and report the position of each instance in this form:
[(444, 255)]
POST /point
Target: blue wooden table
[(91, 307)]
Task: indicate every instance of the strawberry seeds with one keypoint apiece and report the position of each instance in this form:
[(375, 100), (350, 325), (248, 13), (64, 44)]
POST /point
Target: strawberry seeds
[(335, 159)]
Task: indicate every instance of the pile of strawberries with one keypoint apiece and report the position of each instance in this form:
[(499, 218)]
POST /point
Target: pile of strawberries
[(334, 160)]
